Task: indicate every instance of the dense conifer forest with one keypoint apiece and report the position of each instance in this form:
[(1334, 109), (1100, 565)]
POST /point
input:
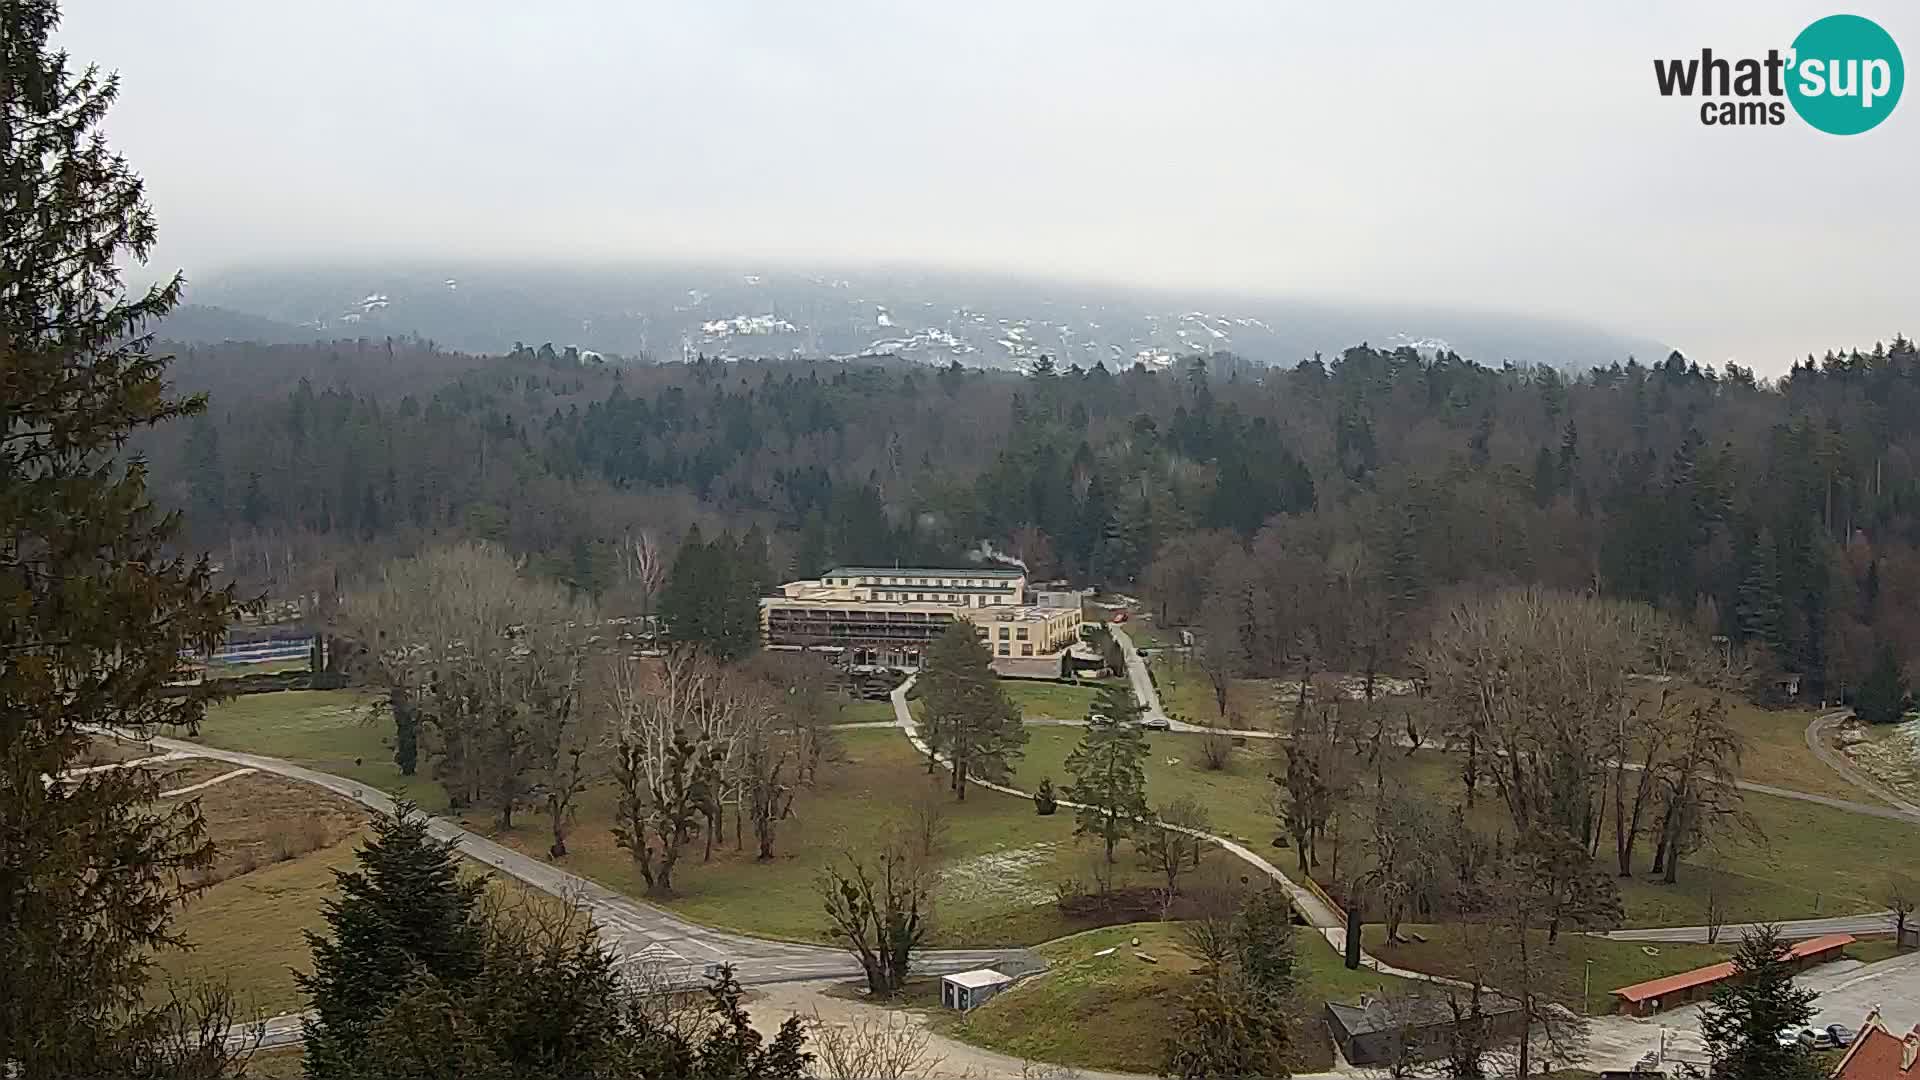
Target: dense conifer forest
[(1779, 514)]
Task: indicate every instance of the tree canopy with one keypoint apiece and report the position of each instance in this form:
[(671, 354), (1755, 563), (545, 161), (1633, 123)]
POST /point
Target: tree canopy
[(99, 603)]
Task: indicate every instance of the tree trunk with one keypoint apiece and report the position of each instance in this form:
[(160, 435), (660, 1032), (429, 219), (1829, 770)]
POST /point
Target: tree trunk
[(1660, 841), (1470, 769)]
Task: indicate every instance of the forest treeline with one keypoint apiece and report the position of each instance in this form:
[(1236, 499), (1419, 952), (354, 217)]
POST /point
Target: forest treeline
[(1779, 514)]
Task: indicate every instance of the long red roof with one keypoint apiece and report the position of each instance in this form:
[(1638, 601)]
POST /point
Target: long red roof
[(1713, 973)]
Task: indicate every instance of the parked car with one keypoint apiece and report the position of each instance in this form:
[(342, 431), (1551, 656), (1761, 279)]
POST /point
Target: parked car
[(1842, 1035), (1099, 719), (1155, 723)]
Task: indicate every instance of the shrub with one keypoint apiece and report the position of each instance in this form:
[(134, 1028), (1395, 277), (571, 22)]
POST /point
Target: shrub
[(1044, 801)]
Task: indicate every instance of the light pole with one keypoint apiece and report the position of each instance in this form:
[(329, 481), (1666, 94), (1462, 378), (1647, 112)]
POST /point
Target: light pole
[(1586, 991)]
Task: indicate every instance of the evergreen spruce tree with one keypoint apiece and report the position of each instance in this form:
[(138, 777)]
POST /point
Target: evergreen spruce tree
[(1743, 1023), (403, 913), (969, 720), (712, 595), (1545, 478), (98, 605), (1109, 771), (1759, 609), (1262, 938), (1882, 697), (406, 731), (684, 601)]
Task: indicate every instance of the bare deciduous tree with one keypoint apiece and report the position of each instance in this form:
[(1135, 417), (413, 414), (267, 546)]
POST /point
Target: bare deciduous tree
[(1216, 746), (643, 567), (661, 758), (1169, 845), (926, 820), (490, 663), (1901, 898), (808, 706), (1318, 774), (889, 1045), (1403, 845), (879, 907)]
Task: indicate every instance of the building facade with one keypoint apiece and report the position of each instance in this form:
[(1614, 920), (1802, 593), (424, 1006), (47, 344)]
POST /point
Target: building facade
[(886, 617)]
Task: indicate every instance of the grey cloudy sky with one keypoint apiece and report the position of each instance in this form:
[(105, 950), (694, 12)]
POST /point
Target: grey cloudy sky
[(1506, 156)]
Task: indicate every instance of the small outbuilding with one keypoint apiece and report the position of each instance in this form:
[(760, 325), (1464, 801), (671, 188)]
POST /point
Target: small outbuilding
[(1415, 1027), (971, 989)]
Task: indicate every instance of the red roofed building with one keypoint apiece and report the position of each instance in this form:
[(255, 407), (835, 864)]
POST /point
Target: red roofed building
[(1647, 998), (1878, 1054)]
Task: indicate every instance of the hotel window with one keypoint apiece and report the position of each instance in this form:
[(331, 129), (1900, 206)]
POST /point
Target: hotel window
[(1026, 650), (1021, 633), (1003, 633), (1003, 649)]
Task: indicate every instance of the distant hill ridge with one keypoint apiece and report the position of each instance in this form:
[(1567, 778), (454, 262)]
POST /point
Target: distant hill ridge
[(667, 313)]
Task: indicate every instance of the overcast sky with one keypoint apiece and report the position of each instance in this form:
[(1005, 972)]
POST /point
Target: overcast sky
[(1505, 156)]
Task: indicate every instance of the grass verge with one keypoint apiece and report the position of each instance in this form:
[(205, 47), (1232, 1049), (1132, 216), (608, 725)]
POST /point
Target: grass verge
[(1114, 1012), (1448, 950)]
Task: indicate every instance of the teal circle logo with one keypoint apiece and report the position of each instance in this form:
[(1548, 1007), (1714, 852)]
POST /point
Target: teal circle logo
[(1846, 74)]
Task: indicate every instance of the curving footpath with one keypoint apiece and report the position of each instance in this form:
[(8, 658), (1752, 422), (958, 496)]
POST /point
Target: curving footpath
[(1878, 922), (1317, 913), (1149, 697)]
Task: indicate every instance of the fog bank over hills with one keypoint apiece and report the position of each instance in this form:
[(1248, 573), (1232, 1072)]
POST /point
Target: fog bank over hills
[(669, 312)]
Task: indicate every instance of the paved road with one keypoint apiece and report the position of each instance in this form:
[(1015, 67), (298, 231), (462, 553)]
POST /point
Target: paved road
[(1879, 922), (1817, 742), (637, 932)]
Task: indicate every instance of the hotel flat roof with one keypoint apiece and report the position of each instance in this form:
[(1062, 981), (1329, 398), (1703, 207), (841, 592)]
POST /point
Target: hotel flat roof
[(993, 613), (922, 571)]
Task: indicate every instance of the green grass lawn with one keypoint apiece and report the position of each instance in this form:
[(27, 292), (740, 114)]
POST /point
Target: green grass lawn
[(1873, 949), (247, 930), (1185, 691), (1449, 949), (859, 711), (1777, 752), (281, 1063), (1058, 701), (1809, 859), (1114, 1012), (1235, 798), (334, 731), (1813, 860), (999, 861)]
